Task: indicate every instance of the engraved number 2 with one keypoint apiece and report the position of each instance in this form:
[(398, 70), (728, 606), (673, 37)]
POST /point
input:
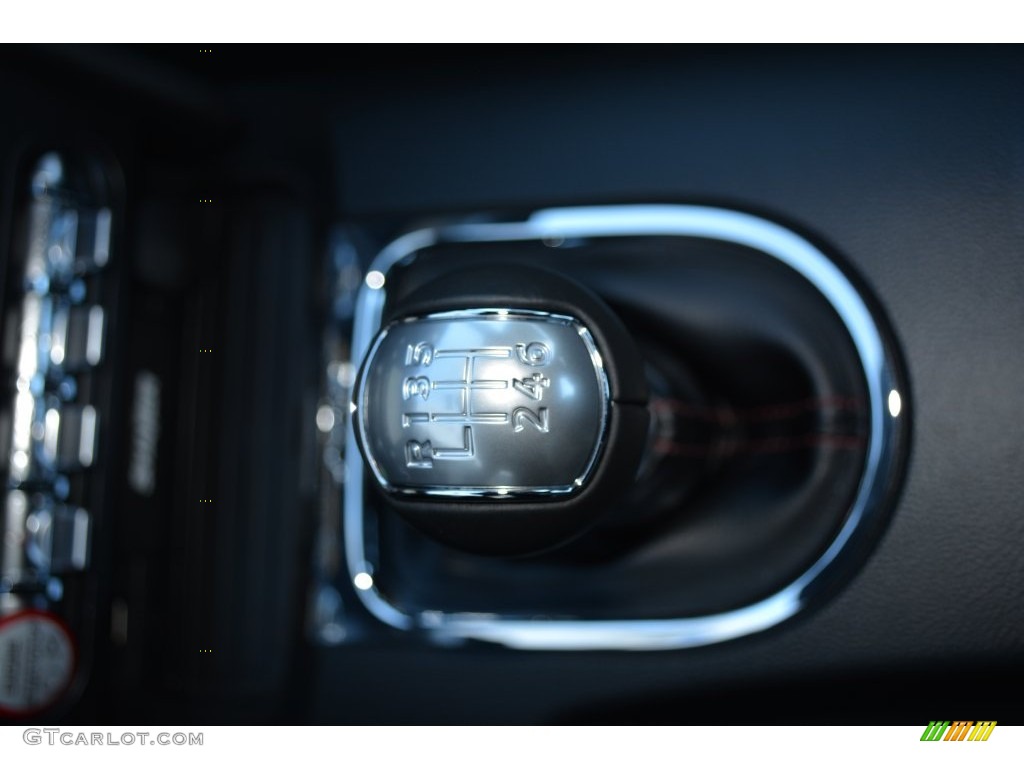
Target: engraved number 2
[(523, 416)]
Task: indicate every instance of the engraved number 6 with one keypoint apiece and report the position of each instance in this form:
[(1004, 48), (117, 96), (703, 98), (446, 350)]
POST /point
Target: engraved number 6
[(534, 353)]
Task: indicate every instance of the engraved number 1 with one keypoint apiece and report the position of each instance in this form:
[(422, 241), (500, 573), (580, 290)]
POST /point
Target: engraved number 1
[(421, 354)]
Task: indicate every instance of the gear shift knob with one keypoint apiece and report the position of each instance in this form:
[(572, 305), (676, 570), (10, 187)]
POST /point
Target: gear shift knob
[(484, 403), (500, 419)]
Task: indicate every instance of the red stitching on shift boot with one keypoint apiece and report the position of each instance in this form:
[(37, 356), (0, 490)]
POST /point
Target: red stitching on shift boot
[(766, 445), (756, 413)]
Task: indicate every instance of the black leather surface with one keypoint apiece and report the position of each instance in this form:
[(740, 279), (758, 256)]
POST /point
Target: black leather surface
[(909, 162), (761, 408)]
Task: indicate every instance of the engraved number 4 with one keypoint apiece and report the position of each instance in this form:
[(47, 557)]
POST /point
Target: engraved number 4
[(523, 417), (532, 387)]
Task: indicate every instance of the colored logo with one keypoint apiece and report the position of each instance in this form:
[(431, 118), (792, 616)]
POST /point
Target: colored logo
[(960, 730)]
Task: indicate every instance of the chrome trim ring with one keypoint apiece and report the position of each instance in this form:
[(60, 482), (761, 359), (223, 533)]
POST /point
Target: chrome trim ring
[(887, 422)]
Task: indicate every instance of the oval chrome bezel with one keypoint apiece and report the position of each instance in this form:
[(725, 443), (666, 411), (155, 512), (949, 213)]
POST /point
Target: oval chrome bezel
[(879, 479)]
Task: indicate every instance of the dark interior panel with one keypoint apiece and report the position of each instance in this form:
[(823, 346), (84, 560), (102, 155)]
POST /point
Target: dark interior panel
[(905, 164)]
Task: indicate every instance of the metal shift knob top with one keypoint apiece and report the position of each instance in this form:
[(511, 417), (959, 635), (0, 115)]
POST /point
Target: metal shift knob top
[(486, 417), (478, 403)]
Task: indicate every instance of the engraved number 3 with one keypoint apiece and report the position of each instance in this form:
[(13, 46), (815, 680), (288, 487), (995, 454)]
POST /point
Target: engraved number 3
[(416, 385)]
